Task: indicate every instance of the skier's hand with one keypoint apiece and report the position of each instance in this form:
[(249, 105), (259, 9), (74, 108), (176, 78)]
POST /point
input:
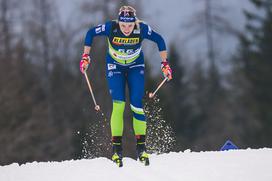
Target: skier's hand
[(166, 70), (84, 62)]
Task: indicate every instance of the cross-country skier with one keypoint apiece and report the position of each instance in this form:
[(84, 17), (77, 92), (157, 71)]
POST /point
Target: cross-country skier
[(125, 65)]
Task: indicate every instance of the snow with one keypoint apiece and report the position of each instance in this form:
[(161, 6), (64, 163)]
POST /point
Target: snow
[(238, 165)]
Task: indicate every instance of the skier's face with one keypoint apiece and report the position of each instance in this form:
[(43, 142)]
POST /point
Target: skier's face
[(126, 28)]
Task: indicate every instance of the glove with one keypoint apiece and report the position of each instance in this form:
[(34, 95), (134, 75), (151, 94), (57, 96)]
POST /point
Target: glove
[(84, 62), (166, 70)]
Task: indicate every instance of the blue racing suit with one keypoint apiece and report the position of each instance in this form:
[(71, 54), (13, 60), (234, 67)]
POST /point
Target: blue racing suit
[(125, 64)]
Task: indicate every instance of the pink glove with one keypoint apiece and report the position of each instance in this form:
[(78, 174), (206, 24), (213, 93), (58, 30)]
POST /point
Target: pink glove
[(84, 63), (166, 70)]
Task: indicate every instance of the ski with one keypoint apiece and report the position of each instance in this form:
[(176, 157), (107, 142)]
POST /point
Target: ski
[(145, 161), (117, 159), (118, 162), (144, 158)]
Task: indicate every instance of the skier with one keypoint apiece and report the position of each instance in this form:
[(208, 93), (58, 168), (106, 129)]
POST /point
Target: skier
[(125, 64)]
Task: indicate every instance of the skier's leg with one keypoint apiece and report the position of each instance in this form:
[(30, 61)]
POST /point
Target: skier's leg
[(136, 89), (117, 121), (117, 150), (117, 131), (116, 83), (136, 93)]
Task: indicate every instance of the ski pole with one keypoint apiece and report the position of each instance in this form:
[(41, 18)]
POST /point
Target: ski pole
[(97, 107), (152, 94)]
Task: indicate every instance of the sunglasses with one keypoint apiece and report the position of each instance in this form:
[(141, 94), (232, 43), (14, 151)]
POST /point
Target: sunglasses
[(127, 11)]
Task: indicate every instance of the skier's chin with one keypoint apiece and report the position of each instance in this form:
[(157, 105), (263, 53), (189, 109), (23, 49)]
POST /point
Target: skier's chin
[(127, 33)]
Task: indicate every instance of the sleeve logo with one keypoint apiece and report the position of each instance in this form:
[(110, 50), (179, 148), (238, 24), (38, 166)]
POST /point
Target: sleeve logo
[(111, 66), (149, 30), (100, 28)]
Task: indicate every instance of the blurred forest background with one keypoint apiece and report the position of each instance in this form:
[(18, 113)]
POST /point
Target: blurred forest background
[(46, 110)]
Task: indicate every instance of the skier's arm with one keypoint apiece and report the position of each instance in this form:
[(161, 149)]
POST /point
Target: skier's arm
[(100, 30), (163, 55), (149, 34), (87, 50)]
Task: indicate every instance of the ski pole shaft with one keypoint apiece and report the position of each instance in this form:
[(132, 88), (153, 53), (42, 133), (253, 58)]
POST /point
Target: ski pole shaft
[(159, 86), (91, 91)]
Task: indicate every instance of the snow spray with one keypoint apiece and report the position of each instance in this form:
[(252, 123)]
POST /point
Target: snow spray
[(160, 135), (96, 141)]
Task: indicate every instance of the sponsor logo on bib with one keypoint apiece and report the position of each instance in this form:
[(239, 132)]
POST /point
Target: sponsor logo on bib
[(125, 41)]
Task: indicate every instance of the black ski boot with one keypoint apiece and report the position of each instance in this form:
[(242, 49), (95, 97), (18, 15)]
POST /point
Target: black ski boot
[(117, 150), (141, 150)]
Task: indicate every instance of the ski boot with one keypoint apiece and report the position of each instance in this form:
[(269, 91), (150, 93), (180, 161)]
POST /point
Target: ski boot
[(141, 150), (117, 150)]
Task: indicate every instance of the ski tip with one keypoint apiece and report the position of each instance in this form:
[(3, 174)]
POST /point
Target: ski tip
[(147, 162), (119, 162)]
